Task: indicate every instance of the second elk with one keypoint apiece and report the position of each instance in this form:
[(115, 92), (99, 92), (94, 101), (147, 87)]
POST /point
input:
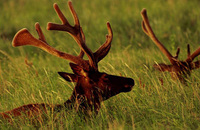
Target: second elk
[(178, 69), (92, 87)]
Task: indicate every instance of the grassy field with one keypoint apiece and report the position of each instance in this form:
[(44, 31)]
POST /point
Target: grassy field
[(150, 105)]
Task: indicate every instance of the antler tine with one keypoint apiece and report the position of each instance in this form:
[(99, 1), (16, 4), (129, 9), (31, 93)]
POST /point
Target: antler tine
[(75, 31), (104, 49), (177, 53), (193, 55), (188, 50), (60, 27), (148, 30), (23, 37), (144, 28), (81, 54), (40, 33), (76, 20), (60, 14)]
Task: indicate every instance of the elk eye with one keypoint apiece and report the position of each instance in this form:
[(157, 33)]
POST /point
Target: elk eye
[(105, 78), (91, 82)]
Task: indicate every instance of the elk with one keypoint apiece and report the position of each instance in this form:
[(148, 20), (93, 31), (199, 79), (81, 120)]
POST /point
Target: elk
[(92, 87), (178, 69)]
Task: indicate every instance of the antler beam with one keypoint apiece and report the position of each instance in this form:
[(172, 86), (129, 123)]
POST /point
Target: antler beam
[(23, 37), (148, 30)]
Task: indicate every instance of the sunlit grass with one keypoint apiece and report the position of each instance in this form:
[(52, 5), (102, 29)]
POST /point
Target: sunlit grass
[(156, 101)]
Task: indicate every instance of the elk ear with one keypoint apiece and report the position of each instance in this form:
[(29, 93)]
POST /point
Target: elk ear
[(78, 70), (68, 77), (162, 67)]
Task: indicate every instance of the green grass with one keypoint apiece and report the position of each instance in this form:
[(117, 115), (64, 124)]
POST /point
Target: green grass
[(150, 105)]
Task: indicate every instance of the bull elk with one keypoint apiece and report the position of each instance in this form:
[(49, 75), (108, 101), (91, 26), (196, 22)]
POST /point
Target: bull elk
[(178, 69), (92, 87)]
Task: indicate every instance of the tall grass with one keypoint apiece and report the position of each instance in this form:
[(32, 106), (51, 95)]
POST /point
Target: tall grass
[(156, 101)]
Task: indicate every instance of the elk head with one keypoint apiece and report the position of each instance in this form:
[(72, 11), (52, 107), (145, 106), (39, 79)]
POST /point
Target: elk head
[(92, 86), (178, 69)]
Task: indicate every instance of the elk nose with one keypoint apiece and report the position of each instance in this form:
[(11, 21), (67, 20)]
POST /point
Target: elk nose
[(131, 82), (129, 85)]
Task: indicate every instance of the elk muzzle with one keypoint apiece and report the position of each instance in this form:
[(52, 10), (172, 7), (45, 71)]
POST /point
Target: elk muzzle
[(128, 87), (120, 84)]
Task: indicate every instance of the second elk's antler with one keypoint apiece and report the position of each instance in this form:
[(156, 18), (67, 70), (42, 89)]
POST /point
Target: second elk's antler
[(92, 87), (178, 69)]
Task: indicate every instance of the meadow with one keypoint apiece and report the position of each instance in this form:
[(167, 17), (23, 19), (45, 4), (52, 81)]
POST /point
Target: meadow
[(156, 101)]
